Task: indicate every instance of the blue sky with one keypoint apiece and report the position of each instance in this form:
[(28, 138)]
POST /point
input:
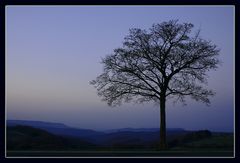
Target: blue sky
[(53, 52)]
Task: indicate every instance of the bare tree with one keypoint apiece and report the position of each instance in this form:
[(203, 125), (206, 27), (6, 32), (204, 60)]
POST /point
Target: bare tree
[(166, 61)]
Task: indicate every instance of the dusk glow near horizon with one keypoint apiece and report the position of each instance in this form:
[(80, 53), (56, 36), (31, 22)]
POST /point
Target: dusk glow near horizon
[(53, 52)]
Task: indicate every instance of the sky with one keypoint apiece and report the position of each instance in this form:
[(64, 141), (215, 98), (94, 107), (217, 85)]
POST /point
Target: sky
[(52, 53)]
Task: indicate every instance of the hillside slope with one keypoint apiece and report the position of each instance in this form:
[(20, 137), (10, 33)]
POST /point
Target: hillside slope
[(29, 138)]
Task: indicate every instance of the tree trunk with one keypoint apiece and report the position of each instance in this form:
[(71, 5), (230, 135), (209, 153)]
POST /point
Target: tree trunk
[(163, 140)]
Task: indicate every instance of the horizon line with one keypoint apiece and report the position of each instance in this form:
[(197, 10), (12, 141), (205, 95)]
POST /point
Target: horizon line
[(227, 131)]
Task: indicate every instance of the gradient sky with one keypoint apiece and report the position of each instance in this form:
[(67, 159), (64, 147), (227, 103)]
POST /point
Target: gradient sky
[(53, 52)]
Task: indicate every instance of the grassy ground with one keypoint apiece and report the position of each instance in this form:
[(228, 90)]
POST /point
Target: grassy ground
[(169, 153)]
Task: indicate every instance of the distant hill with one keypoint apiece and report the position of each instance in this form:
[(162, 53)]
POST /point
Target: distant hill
[(119, 138), (57, 128), (62, 129), (29, 138), (142, 130), (37, 124), (109, 137)]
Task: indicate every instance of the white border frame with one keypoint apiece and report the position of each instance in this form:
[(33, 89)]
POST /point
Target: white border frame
[(234, 39)]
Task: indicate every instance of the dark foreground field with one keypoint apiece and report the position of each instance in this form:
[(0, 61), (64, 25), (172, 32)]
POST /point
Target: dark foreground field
[(171, 153)]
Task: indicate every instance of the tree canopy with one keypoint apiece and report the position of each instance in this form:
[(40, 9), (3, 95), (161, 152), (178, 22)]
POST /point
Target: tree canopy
[(168, 60)]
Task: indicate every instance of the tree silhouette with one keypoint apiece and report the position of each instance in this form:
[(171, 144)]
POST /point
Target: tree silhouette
[(166, 61)]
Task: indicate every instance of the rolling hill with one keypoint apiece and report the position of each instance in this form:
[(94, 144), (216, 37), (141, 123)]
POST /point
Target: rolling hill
[(67, 137), (34, 138), (29, 138)]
